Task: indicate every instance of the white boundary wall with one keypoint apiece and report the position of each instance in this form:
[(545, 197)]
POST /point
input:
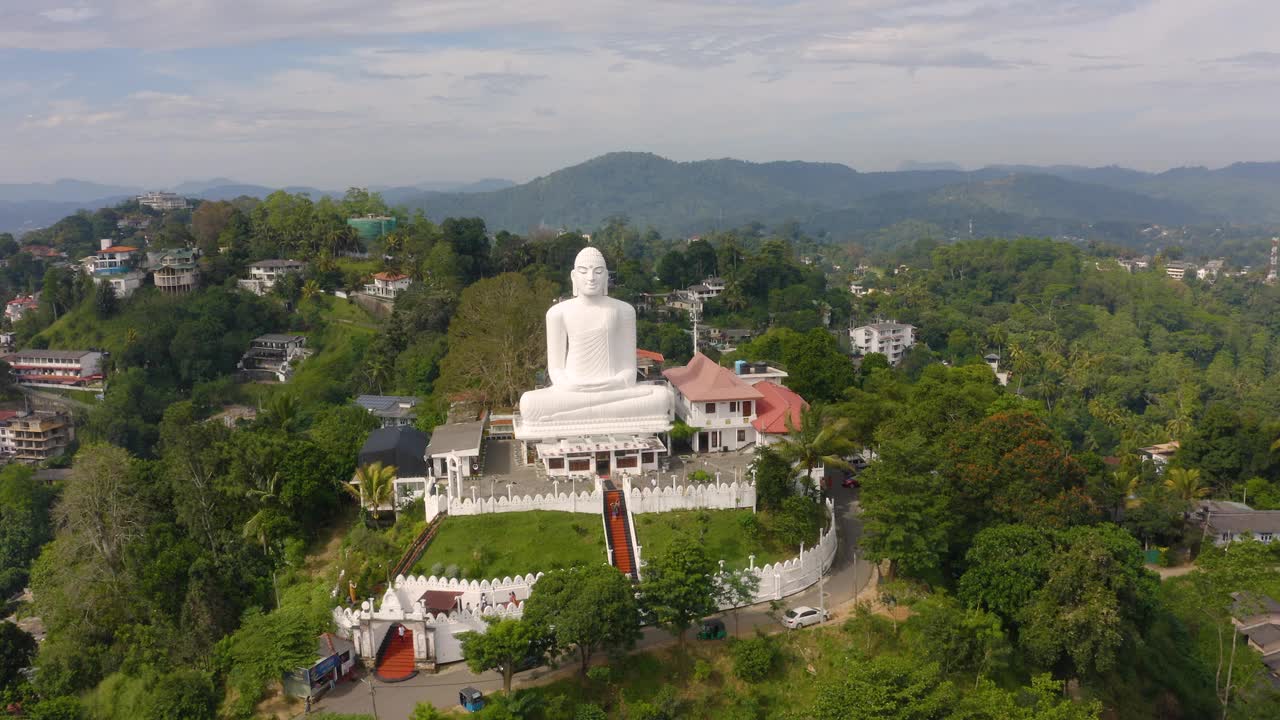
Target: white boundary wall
[(791, 576), (583, 502), (701, 496)]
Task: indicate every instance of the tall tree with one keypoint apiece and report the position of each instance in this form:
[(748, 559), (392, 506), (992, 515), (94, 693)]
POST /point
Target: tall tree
[(679, 585), (822, 439), (497, 339), (374, 486), (589, 608), (503, 643)]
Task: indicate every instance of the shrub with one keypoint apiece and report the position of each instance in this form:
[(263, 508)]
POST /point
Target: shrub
[(451, 571), (750, 526), (754, 658), (701, 671), (700, 476), (437, 569), (66, 707), (600, 674), (588, 711)]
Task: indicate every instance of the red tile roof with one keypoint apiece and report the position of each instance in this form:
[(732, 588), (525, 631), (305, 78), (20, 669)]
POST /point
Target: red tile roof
[(650, 355), (6, 415), (118, 249), (389, 276), (702, 380), (775, 405)]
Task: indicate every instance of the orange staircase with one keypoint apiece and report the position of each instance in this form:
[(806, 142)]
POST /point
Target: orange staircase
[(395, 658), (619, 535)]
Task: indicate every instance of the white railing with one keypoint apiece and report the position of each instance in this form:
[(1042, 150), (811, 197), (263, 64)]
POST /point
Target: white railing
[(581, 502), (708, 496)]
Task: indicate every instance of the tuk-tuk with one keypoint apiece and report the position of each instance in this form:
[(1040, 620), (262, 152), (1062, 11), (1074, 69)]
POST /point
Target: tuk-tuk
[(471, 699), (712, 629)]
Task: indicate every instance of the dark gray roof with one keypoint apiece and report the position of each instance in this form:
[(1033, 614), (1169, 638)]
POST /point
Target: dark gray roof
[(277, 263), (388, 405), (456, 436), (1246, 605), (1258, 521), (405, 447), (278, 337), (54, 354), (1265, 635)]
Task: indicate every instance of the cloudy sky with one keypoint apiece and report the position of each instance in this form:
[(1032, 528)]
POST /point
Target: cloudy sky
[(340, 92)]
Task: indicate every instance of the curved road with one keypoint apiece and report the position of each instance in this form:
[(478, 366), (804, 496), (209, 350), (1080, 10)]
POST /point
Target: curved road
[(848, 576)]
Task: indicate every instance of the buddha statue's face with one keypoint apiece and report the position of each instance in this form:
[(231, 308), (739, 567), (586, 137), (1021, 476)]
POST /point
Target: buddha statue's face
[(590, 276)]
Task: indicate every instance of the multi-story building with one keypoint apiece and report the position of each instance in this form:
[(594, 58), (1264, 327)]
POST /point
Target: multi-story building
[(387, 285), (273, 356), (709, 288), (1178, 270), (391, 410), (40, 435), (18, 307), (175, 273), (717, 402), (118, 266), (1211, 270), (162, 201), (56, 367), (264, 274), (891, 339), (7, 447)]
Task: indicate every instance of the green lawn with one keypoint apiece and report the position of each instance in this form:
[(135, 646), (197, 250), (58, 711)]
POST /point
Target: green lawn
[(484, 547), (724, 537)]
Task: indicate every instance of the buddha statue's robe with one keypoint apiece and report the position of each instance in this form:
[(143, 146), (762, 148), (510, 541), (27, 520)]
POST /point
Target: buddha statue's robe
[(591, 360)]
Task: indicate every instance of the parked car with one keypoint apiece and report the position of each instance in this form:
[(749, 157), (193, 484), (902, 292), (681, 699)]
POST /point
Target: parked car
[(804, 616), (858, 462), (851, 481)]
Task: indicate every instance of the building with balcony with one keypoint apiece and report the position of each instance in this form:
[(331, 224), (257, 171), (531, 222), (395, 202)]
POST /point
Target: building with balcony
[(116, 265), (174, 272), (40, 435), (387, 285), (56, 367), (890, 339), (162, 201), (713, 399), (273, 356), (264, 274)]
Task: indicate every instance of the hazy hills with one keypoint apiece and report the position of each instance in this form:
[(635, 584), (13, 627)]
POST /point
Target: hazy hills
[(688, 197), (691, 197)]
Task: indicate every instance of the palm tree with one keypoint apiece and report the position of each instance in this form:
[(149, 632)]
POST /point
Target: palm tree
[(374, 486), (282, 410), (1122, 487), (310, 289), (1185, 484), (259, 527), (820, 440)]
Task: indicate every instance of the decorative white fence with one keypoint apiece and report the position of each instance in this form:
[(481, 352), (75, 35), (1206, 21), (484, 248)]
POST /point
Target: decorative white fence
[(701, 496), (582, 502), (789, 577)]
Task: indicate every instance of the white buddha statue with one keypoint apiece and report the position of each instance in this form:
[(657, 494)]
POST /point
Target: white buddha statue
[(591, 360)]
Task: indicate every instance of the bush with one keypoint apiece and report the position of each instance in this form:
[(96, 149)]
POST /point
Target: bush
[(437, 569), (753, 659), (750, 526), (451, 571), (700, 476), (590, 712), (701, 671), (59, 708), (600, 674)]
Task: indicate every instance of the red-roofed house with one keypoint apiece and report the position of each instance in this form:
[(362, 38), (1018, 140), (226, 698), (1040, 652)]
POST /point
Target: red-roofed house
[(387, 285), (775, 406), (18, 307), (41, 251), (648, 364), (717, 402), (117, 265)]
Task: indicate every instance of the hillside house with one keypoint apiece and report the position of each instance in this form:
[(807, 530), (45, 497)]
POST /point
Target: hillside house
[(1160, 454), (648, 365), (1227, 526), (116, 265), (778, 406), (162, 201), (17, 308), (273, 356), (387, 285), (891, 339), (1257, 617), (717, 402), (40, 435), (264, 274), (1210, 270), (405, 449), (59, 368), (174, 272), (1178, 270), (454, 453), (391, 410)]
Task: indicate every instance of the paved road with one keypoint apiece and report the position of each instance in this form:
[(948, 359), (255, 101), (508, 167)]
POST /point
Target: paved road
[(396, 701)]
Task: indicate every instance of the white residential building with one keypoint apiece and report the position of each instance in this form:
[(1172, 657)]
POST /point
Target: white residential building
[(174, 272), (55, 367), (118, 266), (717, 402), (891, 339), (387, 285), (264, 274), (18, 307), (1211, 270), (163, 201), (1178, 270)]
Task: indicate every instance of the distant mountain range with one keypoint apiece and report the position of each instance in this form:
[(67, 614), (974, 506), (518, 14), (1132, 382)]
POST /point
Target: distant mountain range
[(825, 198)]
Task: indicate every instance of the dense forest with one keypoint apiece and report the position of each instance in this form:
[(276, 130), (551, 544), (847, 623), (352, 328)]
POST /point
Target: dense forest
[(184, 564)]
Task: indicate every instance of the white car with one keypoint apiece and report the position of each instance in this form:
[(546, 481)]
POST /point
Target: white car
[(804, 616)]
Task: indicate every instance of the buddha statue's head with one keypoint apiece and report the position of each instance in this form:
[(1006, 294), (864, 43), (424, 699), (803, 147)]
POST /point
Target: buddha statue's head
[(590, 276)]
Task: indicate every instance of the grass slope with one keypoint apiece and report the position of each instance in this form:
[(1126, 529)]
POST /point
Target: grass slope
[(723, 538), (484, 547)]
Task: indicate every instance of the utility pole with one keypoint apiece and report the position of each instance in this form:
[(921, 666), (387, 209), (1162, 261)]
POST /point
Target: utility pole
[(1271, 272)]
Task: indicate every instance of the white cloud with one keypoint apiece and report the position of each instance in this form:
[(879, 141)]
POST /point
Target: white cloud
[(497, 87), (69, 15)]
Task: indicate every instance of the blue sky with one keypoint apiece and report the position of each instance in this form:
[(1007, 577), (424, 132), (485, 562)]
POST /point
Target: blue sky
[(340, 92)]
